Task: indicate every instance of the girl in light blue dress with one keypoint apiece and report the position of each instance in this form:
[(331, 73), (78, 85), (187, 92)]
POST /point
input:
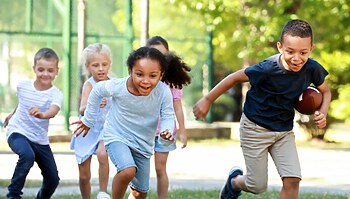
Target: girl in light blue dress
[(97, 60)]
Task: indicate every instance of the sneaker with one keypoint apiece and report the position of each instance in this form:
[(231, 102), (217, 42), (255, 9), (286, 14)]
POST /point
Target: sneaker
[(103, 195), (228, 191)]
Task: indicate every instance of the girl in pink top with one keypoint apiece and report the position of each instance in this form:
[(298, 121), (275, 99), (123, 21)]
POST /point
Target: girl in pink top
[(175, 76)]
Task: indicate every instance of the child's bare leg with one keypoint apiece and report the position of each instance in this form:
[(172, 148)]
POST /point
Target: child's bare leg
[(121, 181), (103, 170), (239, 183), (162, 177), (84, 178), (290, 188)]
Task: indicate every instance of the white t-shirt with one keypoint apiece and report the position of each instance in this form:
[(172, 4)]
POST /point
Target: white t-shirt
[(22, 122)]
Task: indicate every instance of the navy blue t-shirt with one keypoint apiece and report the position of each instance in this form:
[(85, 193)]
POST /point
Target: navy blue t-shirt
[(270, 100)]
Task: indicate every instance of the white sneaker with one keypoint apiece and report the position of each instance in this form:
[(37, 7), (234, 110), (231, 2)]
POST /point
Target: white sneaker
[(103, 195)]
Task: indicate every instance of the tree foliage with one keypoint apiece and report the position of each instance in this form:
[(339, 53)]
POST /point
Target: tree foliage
[(246, 31)]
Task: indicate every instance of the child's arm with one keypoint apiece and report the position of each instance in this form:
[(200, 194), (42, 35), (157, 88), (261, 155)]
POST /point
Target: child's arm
[(181, 121), (50, 113), (87, 87), (201, 108), (98, 92), (167, 115), (320, 116), (85, 96), (7, 119)]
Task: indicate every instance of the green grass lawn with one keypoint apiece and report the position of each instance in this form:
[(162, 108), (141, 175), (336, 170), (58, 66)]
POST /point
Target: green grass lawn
[(213, 194)]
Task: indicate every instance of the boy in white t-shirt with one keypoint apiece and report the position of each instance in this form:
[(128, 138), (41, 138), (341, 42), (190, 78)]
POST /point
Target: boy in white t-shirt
[(27, 127)]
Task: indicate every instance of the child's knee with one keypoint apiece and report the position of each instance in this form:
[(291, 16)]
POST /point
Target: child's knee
[(291, 183), (257, 187), (27, 160), (84, 179), (54, 181), (128, 173), (102, 157)]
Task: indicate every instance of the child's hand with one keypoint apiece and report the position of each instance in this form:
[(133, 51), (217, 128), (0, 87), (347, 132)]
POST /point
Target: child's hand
[(320, 119), (36, 113), (166, 135), (183, 138), (103, 103), (7, 119), (82, 128), (201, 108)]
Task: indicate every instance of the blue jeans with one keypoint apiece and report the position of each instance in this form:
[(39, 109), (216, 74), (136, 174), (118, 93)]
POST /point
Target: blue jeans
[(29, 152)]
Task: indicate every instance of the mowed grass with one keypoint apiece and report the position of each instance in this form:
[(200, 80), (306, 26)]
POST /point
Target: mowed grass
[(213, 194)]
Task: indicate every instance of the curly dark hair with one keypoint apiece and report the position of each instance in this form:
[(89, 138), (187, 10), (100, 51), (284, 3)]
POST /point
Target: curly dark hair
[(177, 73), (147, 52)]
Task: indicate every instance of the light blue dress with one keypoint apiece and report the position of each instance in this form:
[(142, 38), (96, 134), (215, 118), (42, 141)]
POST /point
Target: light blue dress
[(86, 146)]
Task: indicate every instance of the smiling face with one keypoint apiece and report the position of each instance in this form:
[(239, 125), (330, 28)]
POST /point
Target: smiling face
[(295, 52), (46, 71), (98, 65), (144, 76)]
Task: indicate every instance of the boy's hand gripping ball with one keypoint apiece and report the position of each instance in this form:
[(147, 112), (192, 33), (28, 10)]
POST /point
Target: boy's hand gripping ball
[(309, 101)]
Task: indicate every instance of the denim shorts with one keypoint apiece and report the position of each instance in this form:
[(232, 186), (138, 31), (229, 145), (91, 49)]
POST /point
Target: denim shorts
[(124, 157), (159, 146)]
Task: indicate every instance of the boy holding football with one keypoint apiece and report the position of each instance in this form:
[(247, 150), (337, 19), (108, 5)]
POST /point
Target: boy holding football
[(266, 124)]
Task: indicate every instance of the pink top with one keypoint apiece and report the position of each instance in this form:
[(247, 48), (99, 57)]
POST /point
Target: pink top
[(177, 95)]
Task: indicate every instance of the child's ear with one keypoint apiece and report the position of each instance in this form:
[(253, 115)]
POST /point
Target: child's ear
[(279, 46), (312, 47)]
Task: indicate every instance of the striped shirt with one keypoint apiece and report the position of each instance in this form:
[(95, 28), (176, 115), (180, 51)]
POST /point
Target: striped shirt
[(22, 122)]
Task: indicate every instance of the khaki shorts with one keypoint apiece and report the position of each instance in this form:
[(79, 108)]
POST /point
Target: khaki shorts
[(257, 142)]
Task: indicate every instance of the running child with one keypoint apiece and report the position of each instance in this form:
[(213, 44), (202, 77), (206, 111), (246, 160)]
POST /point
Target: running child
[(129, 129), (27, 127), (266, 125), (175, 77), (97, 60)]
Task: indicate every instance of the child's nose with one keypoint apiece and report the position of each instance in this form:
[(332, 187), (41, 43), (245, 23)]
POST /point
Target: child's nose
[(145, 81), (296, 57)]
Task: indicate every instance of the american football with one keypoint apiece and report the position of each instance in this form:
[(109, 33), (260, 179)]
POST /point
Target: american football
[(309, 101)]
